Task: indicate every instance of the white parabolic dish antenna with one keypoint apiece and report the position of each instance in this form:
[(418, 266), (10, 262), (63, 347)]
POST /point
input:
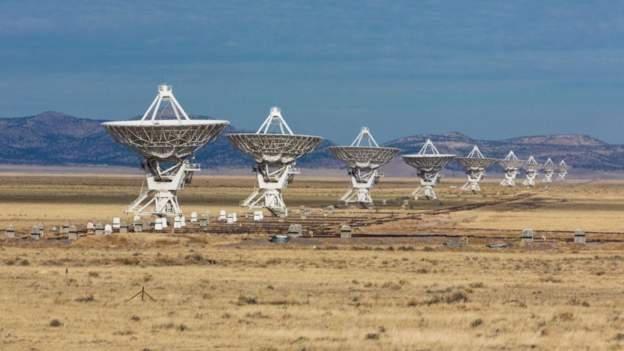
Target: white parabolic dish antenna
[(428, 162), (364, 157), (474, 165), (562, 170), (531, 168), (166, 138), (549, 170), (511, 163), (275, 148), (475, 160)]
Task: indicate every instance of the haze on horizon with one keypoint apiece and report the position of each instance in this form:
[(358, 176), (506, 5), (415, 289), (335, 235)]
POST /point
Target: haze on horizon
[(490, 69)]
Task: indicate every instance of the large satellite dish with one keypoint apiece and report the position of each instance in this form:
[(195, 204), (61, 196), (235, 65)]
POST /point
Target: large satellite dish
[(549, 170), (474, 165), (511, 163), (364, 157), (275, 148), (531, 169), (562, 170), (428, 163), (166, 138)]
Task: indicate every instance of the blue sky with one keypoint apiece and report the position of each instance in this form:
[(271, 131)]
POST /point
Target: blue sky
[(491, 69)]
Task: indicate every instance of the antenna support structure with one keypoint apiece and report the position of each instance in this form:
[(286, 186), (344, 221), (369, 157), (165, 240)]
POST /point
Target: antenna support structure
[(562, 170), (549, 171), (364, 158), (474, 165), (510, 164), (428, 163), (531, 169), (275, 148), (166, 138)]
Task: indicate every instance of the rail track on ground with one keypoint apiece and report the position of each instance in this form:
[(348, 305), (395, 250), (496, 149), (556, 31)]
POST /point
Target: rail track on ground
[(326, 223)]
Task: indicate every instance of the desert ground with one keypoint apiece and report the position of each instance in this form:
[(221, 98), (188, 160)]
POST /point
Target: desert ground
[(415, 276)]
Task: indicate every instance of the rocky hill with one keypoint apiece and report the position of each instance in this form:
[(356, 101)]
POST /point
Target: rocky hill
[(53, 138)]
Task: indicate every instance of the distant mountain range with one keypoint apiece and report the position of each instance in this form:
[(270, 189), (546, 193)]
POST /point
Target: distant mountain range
[(53, 138), (579, 151)]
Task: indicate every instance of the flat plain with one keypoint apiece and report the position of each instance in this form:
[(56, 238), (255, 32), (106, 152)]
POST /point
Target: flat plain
[(421, 279)]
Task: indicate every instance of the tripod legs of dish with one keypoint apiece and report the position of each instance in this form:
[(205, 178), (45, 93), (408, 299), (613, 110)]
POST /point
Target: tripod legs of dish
[(362, 182), (474, 177), (548, 175), (530, 178), (510, 177), (272, 180), (160, 197), (428, 180)]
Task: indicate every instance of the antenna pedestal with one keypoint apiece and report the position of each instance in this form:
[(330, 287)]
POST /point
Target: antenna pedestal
[(166, 138), (271, 183), (510, 164), (474, 165), (428, 180), (275, 148), (549, 171), (361, 184), (160, 198), (530, 178), (474, 177), (531, 168), (510, 177), (562, 170), (428, 162), (364, 157)]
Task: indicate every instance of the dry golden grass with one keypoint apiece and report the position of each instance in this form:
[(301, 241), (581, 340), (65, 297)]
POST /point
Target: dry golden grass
[(214, 293), (591, 206), (240, 292)]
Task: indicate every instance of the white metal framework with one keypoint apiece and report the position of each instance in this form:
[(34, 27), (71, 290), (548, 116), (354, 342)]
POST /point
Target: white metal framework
[(474, 165), (166, 138), (562, 170), (275, 148), (428, 162), (158, 111), (549, 170), (531, 168), (510, 165), (364, 157)]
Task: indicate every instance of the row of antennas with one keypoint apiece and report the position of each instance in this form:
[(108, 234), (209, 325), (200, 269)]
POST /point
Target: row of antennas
[(532, 162), (276, 124)]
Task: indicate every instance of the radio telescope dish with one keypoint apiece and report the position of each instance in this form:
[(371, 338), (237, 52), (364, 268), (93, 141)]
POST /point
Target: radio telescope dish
[(428, 162), (166, 138), (364, 157), (531, 168), (549, 170), (562, 170), (275, 148), (474, 165), (511, 163)]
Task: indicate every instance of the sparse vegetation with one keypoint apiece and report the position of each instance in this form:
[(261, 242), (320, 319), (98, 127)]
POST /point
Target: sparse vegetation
[(87, 298), (55, 323), (239, 292)]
